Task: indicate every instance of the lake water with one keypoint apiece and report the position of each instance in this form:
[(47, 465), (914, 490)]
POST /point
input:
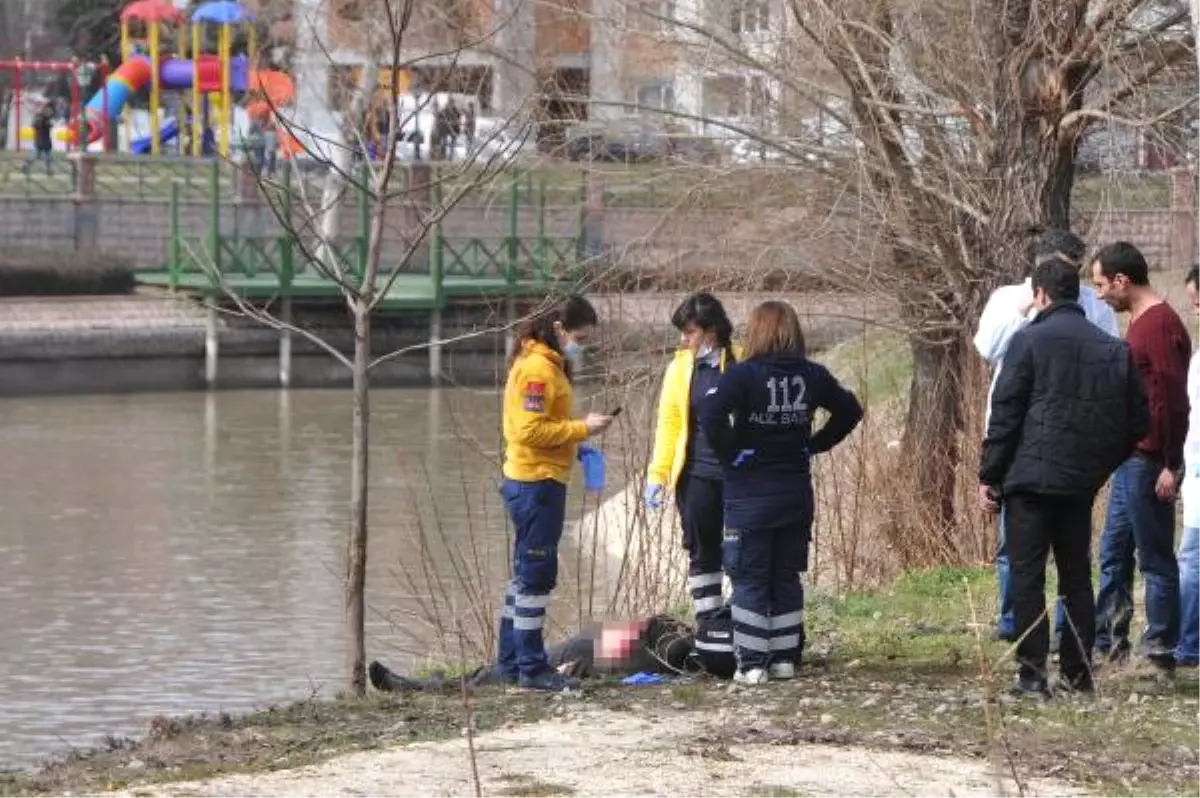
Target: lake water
[(183, 552)]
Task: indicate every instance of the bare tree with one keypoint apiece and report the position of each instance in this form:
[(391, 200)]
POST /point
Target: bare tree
[(410, 209), (936, 135)]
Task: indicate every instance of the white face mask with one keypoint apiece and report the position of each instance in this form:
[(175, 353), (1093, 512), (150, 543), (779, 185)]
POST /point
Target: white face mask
[(573, 350)]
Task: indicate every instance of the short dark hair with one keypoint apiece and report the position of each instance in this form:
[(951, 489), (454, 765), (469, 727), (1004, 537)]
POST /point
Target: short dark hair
[(1059, 279), (1059, 243), (1122, 257), (1193, 276)]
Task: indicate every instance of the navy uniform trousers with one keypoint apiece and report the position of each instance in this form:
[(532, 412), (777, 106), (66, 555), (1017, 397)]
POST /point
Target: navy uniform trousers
[(765, 565), (538, 511), (702, 515)]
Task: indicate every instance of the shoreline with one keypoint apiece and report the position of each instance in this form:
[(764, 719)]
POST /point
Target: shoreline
[(152, 341), (897, 693)]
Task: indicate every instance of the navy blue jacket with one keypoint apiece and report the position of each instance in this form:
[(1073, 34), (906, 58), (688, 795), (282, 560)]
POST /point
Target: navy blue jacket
[(761, 419)]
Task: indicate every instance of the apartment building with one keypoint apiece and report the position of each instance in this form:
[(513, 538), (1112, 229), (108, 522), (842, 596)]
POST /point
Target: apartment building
[(707, 63), (552, 59)]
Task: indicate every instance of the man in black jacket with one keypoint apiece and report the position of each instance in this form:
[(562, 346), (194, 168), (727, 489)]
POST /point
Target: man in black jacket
[(1067, 410)]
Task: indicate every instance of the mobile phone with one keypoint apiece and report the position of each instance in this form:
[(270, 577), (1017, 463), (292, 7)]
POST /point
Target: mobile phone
[(615, 413)]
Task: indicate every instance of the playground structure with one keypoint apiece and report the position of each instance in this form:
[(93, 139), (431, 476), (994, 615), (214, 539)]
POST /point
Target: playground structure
[(206, 82), (71, 69)]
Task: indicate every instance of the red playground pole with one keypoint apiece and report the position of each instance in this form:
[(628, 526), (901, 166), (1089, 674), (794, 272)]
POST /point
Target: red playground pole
[(76, 111), (17, 102)]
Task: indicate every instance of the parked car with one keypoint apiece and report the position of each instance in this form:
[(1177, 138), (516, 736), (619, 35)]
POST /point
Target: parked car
[(637, 139)]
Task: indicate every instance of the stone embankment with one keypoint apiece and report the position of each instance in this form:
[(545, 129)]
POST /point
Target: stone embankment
[(153, 341)]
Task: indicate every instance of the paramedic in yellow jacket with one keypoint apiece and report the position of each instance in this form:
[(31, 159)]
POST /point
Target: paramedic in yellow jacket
[(541, 445), (683, 459)]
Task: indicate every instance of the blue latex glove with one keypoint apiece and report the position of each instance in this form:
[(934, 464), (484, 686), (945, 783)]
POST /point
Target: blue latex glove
[(742, 457), (593, 468), (644, 678), (654, 496)]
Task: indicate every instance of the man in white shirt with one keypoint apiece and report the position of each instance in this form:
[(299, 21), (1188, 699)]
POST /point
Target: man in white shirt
[(1187, 650), (1009, 309)]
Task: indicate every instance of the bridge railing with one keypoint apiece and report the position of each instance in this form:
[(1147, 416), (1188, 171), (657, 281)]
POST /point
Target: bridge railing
[(490, 249)]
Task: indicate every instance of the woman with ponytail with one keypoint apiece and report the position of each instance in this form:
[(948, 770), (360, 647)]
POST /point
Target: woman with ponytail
[(684, 462), (542, 441)]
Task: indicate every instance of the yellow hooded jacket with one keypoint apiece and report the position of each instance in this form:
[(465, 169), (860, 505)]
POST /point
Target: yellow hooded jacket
[(671, 433), (540, 435)]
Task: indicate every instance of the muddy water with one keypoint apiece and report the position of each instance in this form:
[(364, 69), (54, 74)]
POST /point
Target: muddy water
[(182, 553)]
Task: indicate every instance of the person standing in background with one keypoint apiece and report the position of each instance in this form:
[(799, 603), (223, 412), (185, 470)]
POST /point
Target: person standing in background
[(1067, 409), (1187, 650), (43, 141), (684, 462), (1141, 504), (469, 127), (542, 441), (760, 422), (1010, 309)]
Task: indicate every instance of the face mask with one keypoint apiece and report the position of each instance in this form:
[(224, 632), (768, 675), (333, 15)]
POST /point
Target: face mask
[(704, 351), (572, 350)]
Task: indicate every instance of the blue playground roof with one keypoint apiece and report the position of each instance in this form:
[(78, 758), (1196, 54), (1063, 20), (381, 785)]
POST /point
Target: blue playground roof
[(222, 12)]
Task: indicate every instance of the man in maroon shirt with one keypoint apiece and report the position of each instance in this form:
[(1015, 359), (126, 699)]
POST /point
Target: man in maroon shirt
[(1141, 504)]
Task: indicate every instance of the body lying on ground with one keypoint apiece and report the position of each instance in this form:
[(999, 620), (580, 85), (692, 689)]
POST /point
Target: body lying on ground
[(659, 644)]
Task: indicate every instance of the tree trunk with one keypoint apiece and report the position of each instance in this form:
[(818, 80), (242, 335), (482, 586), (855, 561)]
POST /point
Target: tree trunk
[(930, 451), (356, 550), (342, 166)]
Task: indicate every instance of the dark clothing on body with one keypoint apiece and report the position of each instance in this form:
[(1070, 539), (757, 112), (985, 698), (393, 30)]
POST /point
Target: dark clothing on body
[(664, 646)]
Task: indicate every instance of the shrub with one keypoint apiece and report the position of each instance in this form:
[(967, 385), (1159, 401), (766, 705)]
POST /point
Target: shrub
[(674, 277), (38, 272)]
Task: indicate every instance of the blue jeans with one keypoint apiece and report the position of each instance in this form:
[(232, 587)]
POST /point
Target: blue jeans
[(1187, 652), (538, 511), (1006, 627), (1138, 521)]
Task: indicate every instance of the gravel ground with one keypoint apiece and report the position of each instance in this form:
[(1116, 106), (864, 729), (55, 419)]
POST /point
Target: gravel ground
[(594, 751)]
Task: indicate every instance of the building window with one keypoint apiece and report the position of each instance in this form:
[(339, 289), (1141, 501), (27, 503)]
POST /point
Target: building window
[(654, 97), (349, 10), (749, 16), (650, 16), (760, 97)]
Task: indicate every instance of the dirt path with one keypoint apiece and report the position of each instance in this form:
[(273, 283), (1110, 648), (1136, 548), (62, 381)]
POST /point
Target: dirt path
[(592, 750)]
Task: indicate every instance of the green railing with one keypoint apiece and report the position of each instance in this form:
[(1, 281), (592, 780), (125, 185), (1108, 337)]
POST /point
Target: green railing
[(511, 261), (652, 186)]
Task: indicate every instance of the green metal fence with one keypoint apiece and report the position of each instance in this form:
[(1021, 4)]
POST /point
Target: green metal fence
[(279, 262)]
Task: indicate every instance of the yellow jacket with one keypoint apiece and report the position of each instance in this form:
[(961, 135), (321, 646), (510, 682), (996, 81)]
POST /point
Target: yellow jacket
[(671, 433), (540, 434)]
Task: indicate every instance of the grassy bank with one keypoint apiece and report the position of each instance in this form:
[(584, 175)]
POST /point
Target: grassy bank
[(906, 668)]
